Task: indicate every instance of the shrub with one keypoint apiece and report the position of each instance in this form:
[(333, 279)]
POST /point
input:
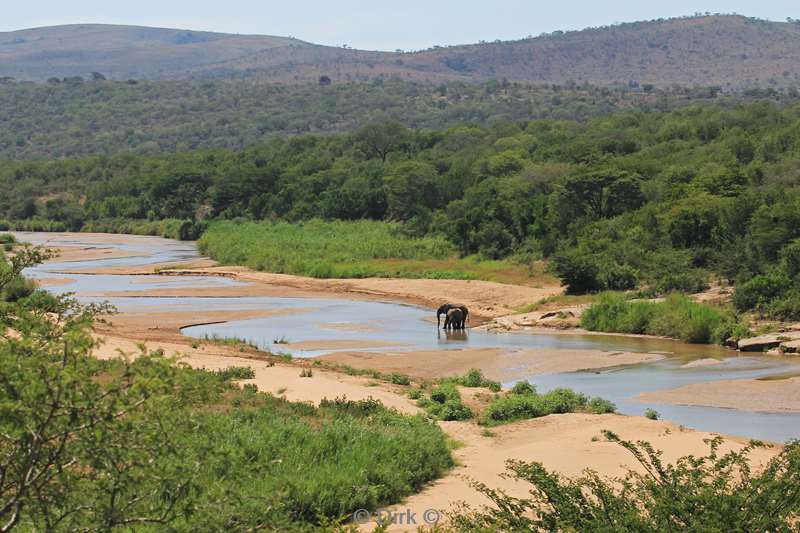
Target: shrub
[(445, 403), (523, 387), (529, 404), (715, 492), (399, 379), (236, 372), (760, 291), (17, 289), (652, 414), (474, 378), (601, 406)]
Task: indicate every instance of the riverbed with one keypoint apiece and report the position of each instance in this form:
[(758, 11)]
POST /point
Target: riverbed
[(318, 326)]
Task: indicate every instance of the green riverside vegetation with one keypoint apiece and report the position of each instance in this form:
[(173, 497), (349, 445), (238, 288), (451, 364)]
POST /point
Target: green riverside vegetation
[(147, 444), (340, 249), (523, 402), (677, 316)]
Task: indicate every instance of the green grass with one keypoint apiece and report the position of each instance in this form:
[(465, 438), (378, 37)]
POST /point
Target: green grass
[(677, 316), (234, 342), (290, 464), (342, 249), (236, 372), (523, 402)]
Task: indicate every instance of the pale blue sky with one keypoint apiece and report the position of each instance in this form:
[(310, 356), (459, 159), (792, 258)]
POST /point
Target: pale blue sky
[(406, 24)]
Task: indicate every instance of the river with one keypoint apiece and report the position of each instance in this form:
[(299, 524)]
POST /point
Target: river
[(399, 327)]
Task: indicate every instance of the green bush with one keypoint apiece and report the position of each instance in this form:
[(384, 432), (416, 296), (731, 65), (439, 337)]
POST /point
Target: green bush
[(445, 403), (601, 406), (523, 387), (236, 372), (399, 379), (759, 291), (652, 414), (677, 316), (527, 403), (715, 492), (474, 378)]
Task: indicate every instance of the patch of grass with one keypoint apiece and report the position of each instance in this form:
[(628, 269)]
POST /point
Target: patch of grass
[(306, 373), (271, 456), (236, 372), (524, 402), (557, 301), (473, 378), (343, 249), (677, 316), (235, 342), (444, 403), (399, 379)]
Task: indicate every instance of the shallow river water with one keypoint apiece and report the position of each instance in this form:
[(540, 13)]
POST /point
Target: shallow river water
[(397, 327)]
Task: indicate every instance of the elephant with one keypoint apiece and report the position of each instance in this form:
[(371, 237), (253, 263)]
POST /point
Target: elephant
[(455, 319), (447, 307)]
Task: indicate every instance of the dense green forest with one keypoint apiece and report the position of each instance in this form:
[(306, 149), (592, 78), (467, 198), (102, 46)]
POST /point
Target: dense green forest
[(659, 201), (74, 117)]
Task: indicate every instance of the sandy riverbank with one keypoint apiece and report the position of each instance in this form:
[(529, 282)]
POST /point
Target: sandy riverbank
[(767, 395), (495, 363)]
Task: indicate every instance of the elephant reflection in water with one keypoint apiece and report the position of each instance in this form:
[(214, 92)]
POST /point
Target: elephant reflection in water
[(456, 334)]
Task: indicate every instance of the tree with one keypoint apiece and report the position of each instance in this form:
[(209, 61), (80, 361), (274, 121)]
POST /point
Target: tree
[(411, 187), (80, 447), (379, 139)]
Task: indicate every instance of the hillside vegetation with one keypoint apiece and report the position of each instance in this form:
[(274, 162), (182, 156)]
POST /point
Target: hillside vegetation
[(73, 118), (658, 202), (724, 50)]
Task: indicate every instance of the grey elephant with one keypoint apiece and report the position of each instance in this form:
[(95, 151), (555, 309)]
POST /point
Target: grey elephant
[(455, 319), (444, 309)]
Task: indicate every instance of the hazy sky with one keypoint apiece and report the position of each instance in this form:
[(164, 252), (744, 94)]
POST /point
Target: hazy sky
[(406, 24)]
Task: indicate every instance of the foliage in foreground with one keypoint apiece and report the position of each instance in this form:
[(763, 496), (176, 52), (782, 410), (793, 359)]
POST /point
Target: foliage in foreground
[(146, 444), (717, 492), (677, 316)]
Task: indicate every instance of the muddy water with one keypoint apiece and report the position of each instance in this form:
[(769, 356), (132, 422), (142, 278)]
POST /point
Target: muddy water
[(396, 327)]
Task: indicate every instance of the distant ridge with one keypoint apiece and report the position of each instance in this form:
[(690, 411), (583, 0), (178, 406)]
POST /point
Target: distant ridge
[(731, 51)]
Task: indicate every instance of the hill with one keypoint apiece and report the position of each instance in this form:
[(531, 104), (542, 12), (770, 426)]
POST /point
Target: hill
[(123, 52), (726, 50)]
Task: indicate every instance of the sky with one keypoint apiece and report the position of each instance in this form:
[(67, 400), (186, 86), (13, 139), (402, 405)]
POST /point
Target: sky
[(376, 24)]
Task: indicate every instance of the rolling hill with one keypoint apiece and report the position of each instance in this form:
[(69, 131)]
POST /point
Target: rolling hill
[(727, 50)]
